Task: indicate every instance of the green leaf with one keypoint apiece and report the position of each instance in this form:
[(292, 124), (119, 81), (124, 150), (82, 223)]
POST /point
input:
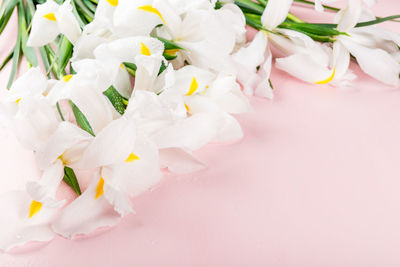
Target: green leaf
[(6, 60), (116, 99), (59, 111), (262, 2), (361, 24), (250, 7), (64, 54), (312, 3), (81, 119), (16, 58), (314, 29), (6, 11), (377, 21), (28, 52), (45, 61), (51, 57), (71, 180)]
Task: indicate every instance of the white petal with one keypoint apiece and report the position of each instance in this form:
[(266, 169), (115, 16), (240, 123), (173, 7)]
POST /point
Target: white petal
[(191, 133), (275, 13), (45, 189), (264, 88), (137, 176), (86, 213), (226, 93), (375, 62), (113, 144), (350, 16), (43, 30), (92, 103), (67, 23), (34, 122), (304, 67), (126, 49), (32, 83), (16, 226), (66, 136), (128, 13), (186, 75), (180, 161), (147, 72)]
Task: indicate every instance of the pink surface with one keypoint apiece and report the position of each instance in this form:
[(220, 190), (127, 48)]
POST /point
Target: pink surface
[(315, 182)]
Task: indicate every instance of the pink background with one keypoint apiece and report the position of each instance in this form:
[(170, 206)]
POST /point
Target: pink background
[(315, 182)]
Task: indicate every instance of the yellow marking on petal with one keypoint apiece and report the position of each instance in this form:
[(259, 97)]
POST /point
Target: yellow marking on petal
[(187, 108), (132, 157), (34, 208), (66, 78), (113, 2), (153, 10), (100, 188), (193, 86), (50, 16), (122, 66), (17, 101), (63, 160), (171, 52), (329, 79), (144, 50)]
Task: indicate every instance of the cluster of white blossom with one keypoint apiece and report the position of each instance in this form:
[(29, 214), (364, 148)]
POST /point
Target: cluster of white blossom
[(153, 81)]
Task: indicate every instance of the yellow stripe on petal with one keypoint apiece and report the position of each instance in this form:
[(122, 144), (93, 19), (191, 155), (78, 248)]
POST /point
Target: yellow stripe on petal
[(66, 78), (144, 50), (193, 86), (329, 79), (187, 108), (132, 157), (34, 208), (100, 188), (50, 16), (153, 10), (113, 2), (17, 101)]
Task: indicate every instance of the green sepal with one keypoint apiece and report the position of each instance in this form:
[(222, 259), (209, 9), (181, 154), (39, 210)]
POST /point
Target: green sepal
[(169, 57), (130, 68), (116, 99), (168, 45), (162, 68), (71, 180), (81, 119)]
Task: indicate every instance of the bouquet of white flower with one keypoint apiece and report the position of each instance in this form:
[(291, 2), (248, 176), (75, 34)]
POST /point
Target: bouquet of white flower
[(132, 87)]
